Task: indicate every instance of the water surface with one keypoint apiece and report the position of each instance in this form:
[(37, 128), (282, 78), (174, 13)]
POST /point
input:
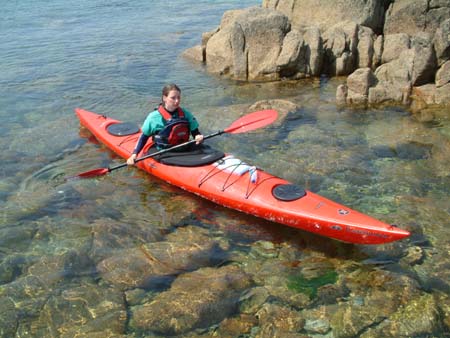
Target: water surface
[(113, 57)]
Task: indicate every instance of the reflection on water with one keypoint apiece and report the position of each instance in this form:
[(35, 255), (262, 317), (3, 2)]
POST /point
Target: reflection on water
[(106, 256)]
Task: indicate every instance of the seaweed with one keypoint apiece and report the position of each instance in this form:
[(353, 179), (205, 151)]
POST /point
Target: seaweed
[(309, 286)]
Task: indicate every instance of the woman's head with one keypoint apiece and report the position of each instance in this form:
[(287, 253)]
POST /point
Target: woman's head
[(171, 96)]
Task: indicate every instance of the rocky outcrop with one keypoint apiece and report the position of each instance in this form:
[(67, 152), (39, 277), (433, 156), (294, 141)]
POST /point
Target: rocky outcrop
[(327, 13), (394, 46), (407, 63), (357, 89), (247, 44), (415, 16), (340, 45), (443, 75), (442, 42)]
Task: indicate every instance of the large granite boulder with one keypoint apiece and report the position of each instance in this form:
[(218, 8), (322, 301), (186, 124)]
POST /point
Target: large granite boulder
[(357, 89), (414, 16), (393, 45), (258, 44), (366, 48), (425, 64), (442, 42), (301, 54), (407, 62), (430, 94), (340, 42), (247, 44), (443, 75), (394, 80), (327, 13)]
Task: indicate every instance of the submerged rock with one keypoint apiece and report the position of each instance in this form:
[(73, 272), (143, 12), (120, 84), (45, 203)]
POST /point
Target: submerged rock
[(149, 265), (53, 269), (418, 318), (375, 297), (110, 236), (279, 321), (83, 310), (253, 299), (317, 321), (236, 326), (9, 317), (195, 300)]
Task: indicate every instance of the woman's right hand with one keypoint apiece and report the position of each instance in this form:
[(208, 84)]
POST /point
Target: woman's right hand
[(132, 159)]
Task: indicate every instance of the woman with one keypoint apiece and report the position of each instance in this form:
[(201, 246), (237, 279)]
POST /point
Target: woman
[(169, 124)]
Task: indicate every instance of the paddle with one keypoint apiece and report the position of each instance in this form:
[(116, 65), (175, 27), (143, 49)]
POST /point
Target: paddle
[(244, 124)]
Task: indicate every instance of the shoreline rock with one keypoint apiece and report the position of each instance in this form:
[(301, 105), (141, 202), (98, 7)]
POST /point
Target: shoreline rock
[(390, 48)]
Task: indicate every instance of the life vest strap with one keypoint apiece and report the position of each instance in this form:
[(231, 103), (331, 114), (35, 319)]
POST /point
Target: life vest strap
[(166, 115)]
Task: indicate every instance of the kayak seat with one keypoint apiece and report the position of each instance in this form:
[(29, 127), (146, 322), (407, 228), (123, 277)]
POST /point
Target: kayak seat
[(123, 129), (288, 192), (195, 156)]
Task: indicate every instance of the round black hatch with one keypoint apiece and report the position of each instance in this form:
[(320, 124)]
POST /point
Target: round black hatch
[(123, 129), (288, 192)]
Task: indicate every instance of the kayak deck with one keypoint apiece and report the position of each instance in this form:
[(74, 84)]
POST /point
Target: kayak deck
[(234, 184)]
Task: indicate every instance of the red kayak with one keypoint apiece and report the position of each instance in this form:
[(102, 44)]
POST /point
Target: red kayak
[(228, 181)]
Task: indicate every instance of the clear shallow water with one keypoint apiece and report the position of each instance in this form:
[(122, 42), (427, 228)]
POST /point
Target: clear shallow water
[(113, 57)]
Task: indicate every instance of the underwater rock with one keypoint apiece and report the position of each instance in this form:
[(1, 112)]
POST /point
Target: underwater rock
[(19, 292), (279, 321), (295, 280), (82, 310), (264, 249), (236, 326), (149, 265), (195, 300), (16, 237), (375, 296), (109, 236), (414, 255), (443, 300), (418, 318), (9, 317), (413, 151), (252, 300), (12, 266), (52, 269), (316, 320)]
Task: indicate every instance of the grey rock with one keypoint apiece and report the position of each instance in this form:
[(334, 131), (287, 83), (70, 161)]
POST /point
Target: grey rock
[(443, 75), (442, 42), (195, 300), (340, 45), (327, 13), (414, 16)]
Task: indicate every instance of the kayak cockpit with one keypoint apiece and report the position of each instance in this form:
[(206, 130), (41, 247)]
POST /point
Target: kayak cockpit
[(195, 156)]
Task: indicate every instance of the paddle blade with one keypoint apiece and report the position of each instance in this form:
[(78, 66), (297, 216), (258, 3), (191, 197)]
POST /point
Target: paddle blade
[(93, 173), (252, 121)]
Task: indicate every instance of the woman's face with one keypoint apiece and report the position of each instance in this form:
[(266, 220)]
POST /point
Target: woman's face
[(172, 100)]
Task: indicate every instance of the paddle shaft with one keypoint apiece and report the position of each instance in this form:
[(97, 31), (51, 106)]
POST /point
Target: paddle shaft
[(165, 150)]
